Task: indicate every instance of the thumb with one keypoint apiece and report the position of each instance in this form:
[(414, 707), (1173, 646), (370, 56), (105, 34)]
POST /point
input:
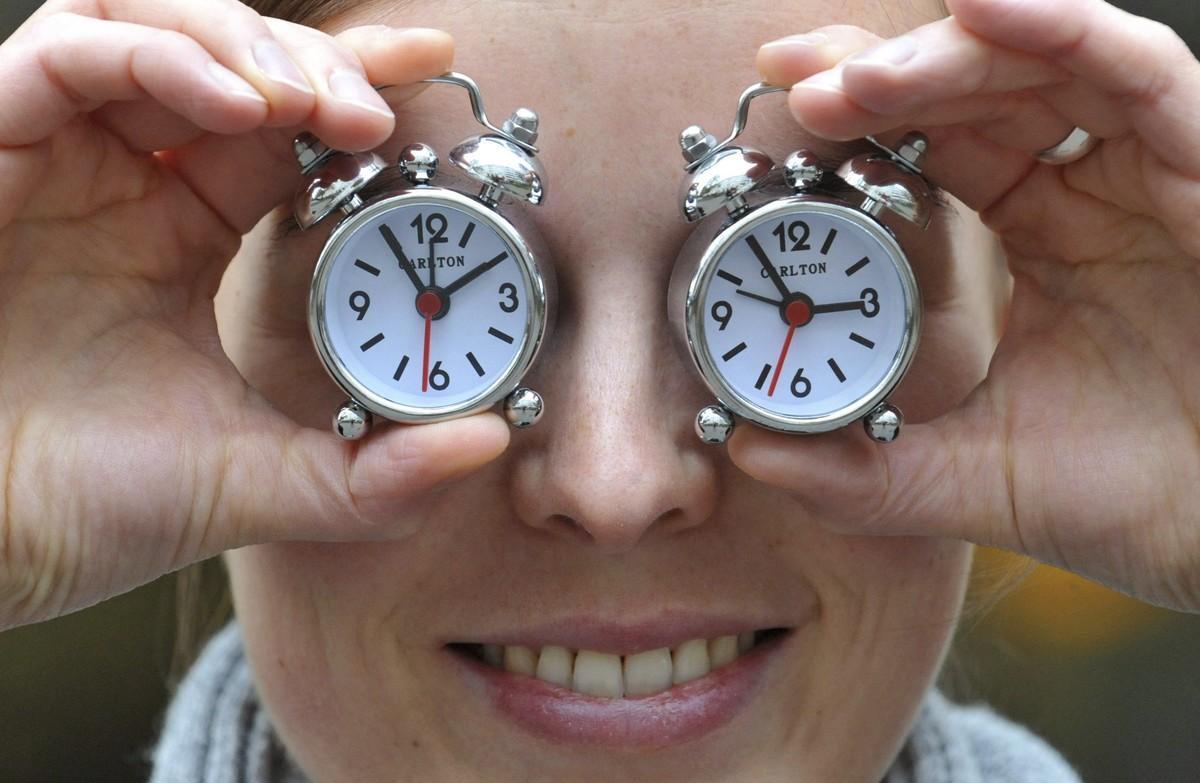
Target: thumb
[(298, 483), (944, 478)]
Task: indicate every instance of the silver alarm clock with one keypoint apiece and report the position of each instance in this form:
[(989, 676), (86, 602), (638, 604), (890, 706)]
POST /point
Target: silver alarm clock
[(429, 301), (798, 307)]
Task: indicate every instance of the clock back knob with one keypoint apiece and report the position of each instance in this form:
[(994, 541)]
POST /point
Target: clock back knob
[(333, 179), (503, 167), (892, 180)]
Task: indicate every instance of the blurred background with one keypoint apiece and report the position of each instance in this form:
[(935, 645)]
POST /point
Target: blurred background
[(1113, 683)]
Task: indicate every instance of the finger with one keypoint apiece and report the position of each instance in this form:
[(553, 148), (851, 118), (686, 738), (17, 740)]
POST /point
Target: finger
[(349, 114), (937, 479), (79, 64), (239, 39), (1143, 64), (942, 63), (218, 168), (146, 125), (820, 103), (282, 482), (789, 60)]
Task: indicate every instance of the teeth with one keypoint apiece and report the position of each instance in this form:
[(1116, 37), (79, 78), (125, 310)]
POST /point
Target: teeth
[(598, 674), (690, 660), (613, 676), (554, 665), (722, 650), (520, 660), (648, 672)]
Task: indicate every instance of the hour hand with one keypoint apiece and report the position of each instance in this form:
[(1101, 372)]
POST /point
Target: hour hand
[(776, 302), (398, 251), (839, 307)]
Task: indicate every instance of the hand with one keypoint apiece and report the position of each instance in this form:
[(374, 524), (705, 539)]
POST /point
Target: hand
[(405, 263), (1082, 446), (129, 445)]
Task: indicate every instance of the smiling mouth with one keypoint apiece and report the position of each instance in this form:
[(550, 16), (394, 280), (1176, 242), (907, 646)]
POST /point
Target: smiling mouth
[(611, 676)]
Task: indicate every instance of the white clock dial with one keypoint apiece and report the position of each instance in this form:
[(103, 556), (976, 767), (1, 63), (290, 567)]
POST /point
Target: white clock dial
[(424, 306), (807, 315)]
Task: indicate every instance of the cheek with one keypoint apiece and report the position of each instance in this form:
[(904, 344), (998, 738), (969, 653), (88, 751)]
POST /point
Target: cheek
[(889, 607)]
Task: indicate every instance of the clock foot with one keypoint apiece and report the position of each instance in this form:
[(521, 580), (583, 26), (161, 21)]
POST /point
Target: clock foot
[(523, 407), (352, 421), (714, 424), (883, 423)]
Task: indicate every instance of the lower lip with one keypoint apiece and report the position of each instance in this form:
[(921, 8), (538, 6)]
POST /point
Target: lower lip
[(683, 713)]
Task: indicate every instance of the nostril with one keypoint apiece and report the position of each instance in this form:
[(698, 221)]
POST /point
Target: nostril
[(565, 525)]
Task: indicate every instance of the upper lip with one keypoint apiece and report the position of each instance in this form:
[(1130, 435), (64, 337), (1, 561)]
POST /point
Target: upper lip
[(631, 634)]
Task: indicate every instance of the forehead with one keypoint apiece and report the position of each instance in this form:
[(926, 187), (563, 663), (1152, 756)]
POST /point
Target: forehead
[(614, 82)]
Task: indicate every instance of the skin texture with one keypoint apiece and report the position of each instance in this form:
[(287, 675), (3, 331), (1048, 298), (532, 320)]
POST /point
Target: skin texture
[(610, 507)]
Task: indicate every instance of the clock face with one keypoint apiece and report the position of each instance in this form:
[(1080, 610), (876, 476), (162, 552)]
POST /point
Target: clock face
[(423, 306), (806, 315)]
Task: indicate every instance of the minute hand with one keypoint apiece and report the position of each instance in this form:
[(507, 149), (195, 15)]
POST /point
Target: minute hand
[(474, 273), (771, 271), (398, 252)]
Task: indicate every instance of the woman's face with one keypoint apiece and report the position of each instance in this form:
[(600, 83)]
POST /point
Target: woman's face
[(608, 527)]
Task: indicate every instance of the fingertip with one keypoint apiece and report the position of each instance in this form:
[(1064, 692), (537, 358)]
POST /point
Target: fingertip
[(401, 55), (235, 106), (787, 60), (758, 452), (404, 459)]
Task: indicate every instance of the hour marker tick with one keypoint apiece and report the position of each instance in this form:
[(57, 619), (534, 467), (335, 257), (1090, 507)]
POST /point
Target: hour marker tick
[(762, 377), (858, 265), (466, 235), (858, 338), (825, 248), (475, 364), (372, 342), (732, 352), (499, 335), (833, 365), (721, 273), (400, 368), (364, 266)]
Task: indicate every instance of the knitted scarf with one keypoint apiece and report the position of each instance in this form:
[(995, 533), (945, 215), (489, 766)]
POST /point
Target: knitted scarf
[(217, 732)]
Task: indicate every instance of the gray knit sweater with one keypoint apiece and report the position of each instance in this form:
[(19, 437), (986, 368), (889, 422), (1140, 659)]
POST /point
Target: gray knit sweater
[(217, 732)]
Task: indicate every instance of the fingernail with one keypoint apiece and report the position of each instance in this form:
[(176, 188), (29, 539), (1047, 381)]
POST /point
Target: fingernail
[(230, 82), (395, 95), (348, 85), (277, 66), (806, 39), (895, 52), (825, 81)]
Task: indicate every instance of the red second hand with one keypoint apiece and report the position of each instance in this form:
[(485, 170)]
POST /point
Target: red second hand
[(798, 313), (425, 360), (787, 343), (428, 305)]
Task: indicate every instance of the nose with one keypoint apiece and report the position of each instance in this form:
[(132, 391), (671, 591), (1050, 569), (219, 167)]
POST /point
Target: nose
[(617, 459)]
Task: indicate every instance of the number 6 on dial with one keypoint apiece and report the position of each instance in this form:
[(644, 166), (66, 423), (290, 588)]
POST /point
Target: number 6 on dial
[(428, 302)]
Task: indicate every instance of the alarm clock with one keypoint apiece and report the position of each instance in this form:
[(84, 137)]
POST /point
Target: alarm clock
[(429, 300), (798, 307)]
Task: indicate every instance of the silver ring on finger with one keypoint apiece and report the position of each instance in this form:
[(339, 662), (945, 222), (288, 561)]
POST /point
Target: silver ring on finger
[(1075, 146)]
